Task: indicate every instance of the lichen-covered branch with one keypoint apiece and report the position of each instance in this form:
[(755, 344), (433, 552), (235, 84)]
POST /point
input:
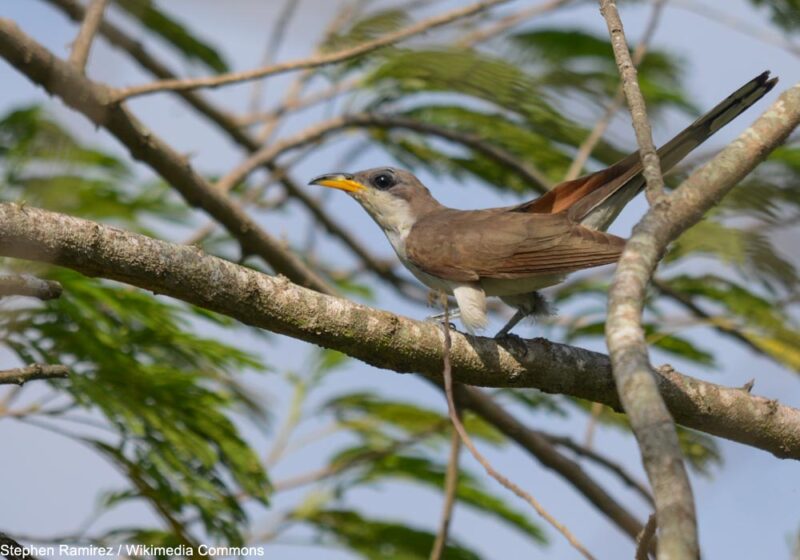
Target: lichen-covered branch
[(377, 337), (650, 420), (30, 286), (20, 376), (668, 218)]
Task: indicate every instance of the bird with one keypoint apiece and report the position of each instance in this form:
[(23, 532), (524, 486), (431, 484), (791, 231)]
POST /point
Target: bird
[(513, 252)]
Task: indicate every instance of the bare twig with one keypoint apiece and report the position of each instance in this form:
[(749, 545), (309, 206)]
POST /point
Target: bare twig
[(600, 127), (539, 446), (380, 338), (354, 461), (83, 42), (270, 153), (644, 539), (447, 377), (603, 461), (627, 70), (312, 62), (27, 285), (450, 488), (20, 376), (290, 423), (512, 20)]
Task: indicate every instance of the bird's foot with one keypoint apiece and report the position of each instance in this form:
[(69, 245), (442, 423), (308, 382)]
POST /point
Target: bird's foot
[(439, 318)]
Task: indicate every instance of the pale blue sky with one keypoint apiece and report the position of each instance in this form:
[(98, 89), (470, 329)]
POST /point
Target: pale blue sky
[(748, 509)]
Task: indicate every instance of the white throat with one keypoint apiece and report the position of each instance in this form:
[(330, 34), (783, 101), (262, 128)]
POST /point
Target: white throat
[(393, 215)]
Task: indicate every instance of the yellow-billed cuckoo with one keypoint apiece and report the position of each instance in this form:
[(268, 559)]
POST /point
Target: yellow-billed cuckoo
[(512, 252)]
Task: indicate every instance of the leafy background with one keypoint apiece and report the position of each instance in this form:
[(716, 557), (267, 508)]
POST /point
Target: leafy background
[(181, 426)]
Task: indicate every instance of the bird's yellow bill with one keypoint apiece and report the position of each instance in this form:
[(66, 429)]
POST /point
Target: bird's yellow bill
[(339, 181)]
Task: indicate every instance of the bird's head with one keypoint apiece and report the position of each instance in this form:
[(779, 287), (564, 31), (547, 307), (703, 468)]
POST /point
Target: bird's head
[(393, 197)]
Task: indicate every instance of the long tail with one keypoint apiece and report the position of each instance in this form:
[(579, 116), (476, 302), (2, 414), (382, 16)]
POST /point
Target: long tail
[(596, 199)]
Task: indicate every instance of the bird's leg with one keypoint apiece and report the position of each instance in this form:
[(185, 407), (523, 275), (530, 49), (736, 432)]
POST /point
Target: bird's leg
[(531, 304), (518, 316)]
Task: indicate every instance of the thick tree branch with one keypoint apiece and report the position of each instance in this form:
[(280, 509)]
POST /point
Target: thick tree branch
[(20, 376), (314, 61), (668, 218), (377, 337), (83, 42), (63, 80), (27, 285)]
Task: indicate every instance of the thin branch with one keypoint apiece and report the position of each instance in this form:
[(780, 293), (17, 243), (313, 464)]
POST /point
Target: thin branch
[(293, 103), (312, 62), (512, 20), (644, 539), (20, 376), (450, 488), (447, 377), (92, 99), (603, 461), (376, 337), (83, 42), (650, 420), (539, 446), (27, 285), (354, 461), (270, 153), (600, 127), (641, 125), (686, 301)]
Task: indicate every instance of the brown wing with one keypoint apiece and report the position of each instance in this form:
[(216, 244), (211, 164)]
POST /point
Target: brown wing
[(468, 245)]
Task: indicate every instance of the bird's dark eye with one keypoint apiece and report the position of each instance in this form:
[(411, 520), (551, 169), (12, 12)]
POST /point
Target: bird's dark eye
[(383, 181)]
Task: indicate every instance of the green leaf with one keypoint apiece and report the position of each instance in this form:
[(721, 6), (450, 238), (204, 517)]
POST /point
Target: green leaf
[(468, 491), (382, 540), (168, 393), (761, 321), (750, 251), (670, 343), (174, 33), (366, 411)]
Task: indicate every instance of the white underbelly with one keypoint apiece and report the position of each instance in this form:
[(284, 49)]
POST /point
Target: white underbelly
[(509, 287)]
